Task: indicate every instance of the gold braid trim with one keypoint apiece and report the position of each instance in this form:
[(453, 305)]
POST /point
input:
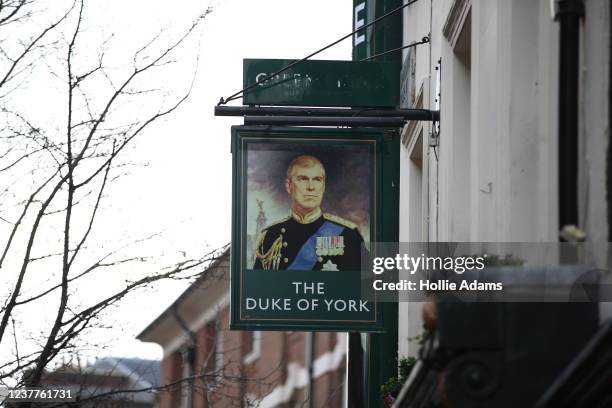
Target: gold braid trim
[(270, 259), (341, 221)]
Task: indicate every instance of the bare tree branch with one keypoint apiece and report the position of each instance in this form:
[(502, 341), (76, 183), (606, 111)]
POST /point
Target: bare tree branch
[(69, 172), (29, 47), (20, 219)]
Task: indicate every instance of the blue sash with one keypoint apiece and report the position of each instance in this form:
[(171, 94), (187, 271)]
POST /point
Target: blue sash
[(307, 257)]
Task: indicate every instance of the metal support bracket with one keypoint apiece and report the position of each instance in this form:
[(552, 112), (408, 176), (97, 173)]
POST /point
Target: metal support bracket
[(434, 135), (297, 116)]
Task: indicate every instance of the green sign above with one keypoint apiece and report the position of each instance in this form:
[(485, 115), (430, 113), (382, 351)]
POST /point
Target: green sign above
[(322, 83)]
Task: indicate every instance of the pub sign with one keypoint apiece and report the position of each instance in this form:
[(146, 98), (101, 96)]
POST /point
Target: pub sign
[(306, 203)]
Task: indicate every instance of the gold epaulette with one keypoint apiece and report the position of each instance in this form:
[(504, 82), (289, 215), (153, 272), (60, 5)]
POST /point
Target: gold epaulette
[(338, 220), (276, 222)]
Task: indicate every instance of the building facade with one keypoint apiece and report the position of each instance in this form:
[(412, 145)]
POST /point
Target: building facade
[(498, 169), (491, 175), (108, 382), (206, 364)]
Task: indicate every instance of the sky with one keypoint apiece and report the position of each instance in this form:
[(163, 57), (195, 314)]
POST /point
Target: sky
[(178, 185), (185, 188)]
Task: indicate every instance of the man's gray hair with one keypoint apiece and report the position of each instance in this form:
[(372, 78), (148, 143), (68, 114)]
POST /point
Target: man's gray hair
[(303, 161)]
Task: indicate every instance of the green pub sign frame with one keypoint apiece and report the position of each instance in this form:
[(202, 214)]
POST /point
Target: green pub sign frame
[(354, 161)]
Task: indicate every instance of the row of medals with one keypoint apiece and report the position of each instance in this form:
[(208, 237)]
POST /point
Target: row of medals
[(330, 246)]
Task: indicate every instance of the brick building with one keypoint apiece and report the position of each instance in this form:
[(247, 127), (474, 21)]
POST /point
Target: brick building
[(108, 382), (206, 364)]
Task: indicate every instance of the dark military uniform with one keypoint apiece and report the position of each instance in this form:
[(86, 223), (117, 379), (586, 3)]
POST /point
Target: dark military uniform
[(328, 243)]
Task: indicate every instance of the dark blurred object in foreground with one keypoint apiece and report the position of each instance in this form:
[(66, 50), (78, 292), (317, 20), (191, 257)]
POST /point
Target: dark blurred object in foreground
[(497, 354)]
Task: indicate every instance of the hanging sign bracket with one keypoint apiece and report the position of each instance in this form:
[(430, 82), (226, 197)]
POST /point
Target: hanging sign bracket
[(275, 115)]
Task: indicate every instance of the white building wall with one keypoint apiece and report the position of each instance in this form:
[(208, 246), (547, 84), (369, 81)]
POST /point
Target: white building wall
[(595, 133), (415, 189), (495, 176), (514, 80), (454, 209), (594, 126)]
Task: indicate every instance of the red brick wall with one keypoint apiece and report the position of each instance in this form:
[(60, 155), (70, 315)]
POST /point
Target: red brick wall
[(204, 362), (260, 377), (328, 389), (172, 369)]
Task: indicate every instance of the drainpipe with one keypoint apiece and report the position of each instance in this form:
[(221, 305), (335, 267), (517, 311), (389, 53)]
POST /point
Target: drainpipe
[(609, 169), (568, 14)]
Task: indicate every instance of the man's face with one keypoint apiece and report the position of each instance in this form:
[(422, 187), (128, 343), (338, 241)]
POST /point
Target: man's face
[(306, 187)]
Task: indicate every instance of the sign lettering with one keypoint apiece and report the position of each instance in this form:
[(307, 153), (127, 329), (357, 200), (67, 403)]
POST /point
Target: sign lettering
[(321, 83), (359, 37)]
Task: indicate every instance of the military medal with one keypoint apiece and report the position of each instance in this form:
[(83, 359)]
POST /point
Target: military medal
[(330, 246), (339, 245), (323, 247)]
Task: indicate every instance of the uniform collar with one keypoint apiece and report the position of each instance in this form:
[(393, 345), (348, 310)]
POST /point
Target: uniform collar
[(307, 218)]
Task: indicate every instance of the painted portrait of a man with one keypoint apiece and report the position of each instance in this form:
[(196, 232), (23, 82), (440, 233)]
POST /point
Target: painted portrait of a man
[(306, 211), (308, 238)]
